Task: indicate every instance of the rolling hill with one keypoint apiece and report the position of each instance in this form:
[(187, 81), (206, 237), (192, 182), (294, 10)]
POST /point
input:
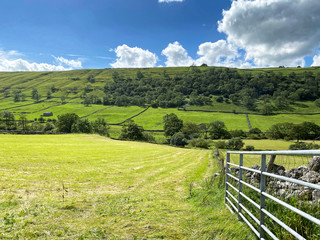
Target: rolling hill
[(119, 94)]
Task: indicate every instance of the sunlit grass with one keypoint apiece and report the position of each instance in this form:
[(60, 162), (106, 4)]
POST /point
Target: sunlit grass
[(87, 186)]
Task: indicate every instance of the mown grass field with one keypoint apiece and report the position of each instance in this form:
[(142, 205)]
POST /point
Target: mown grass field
[(91, 187)]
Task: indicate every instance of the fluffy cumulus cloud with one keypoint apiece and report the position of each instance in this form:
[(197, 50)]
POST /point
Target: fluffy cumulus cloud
[(217, 53), (316, 60), (168, 1), (11, 61), (176, 55), (128, 57), (273, 32)]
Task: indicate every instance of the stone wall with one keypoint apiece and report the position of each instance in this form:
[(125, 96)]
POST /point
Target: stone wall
[(310, 173)]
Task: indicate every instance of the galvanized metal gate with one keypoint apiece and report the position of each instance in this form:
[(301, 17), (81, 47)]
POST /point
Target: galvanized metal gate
[(235, 202)]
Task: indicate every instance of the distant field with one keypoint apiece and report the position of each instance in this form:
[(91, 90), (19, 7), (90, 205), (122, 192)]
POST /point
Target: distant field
[(153, 118), (273, 145), (90, 187), (265, 122)]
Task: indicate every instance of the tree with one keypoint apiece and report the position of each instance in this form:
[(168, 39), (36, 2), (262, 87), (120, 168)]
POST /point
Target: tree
[(6, 93), (178, 139), (131, 131), (139, 75), (91, 79), (280, 130), (237, 133), (23, 97), (49, 94), (9, 120), (63, 99), (218, 130), (219, 99), (53, 89), (16, 96), (35, 95), (190, 130), (172, 124), (87, 101), (235, 143), (48, 127), (82, 126), (267, 109), (65, 122), (101, 127), (305, 131), (23, 122)]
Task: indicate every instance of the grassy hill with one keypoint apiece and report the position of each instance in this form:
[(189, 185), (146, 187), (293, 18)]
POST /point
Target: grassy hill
[(72, 84)]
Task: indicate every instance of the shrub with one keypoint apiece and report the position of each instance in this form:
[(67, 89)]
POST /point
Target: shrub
[(191, 130), (200, 143), (65, 122), (235, 143), (101, 127), (178, 139), (249, 148), (303, 146), (48, 127), (148, 137), (131, 131), (82, 126), (220, 144), (36, 126), (237, 133)]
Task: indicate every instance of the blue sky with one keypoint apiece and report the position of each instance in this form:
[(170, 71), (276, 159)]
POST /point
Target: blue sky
[(75, 34)]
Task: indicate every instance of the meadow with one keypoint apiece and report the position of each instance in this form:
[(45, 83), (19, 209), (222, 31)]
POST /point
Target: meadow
[(92, 187)]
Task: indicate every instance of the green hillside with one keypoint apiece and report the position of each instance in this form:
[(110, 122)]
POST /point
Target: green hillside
[(119, 94)]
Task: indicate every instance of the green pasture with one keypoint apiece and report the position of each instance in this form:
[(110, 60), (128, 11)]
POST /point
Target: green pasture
[(91, 187), (265, 122), (288, 162), (152, 119)]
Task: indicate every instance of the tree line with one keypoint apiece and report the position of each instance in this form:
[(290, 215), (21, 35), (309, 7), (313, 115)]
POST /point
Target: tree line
[(197, 87), (66, 123)]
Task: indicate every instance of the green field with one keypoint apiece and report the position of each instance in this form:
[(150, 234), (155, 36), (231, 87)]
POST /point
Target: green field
[(91, 187), (72, 83), (288, 162)]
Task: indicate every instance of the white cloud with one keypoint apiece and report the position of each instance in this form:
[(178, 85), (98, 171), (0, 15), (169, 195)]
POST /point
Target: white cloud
[(69, 63), (10, 61), (167, 1), (316, 60), (134, 57), (273, 32), (219, 53), (176, 55)]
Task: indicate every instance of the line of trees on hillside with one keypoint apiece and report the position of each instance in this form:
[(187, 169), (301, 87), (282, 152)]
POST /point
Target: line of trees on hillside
[(66, 123), (196, 87)]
